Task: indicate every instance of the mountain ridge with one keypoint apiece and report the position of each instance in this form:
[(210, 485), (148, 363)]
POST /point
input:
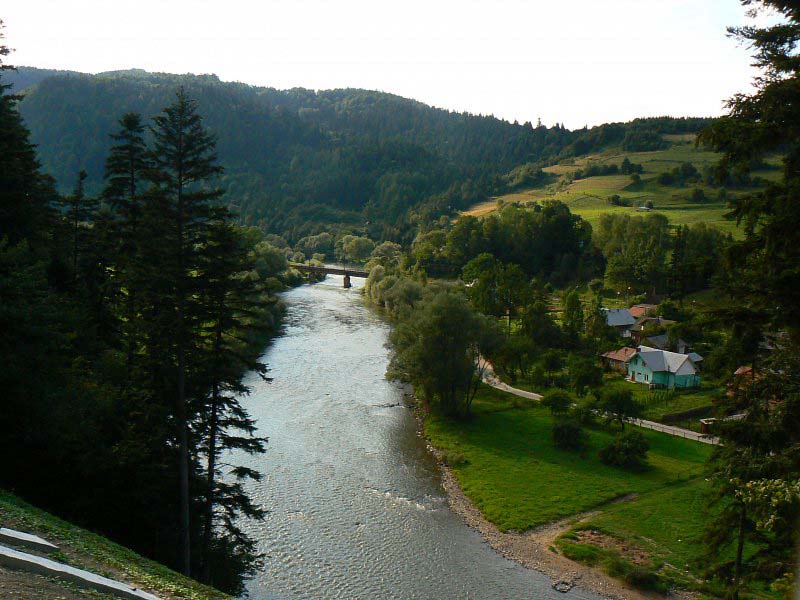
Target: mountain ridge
[(299, 161)]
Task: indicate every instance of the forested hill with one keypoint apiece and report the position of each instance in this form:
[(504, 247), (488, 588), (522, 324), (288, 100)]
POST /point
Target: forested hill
[(299, 161)]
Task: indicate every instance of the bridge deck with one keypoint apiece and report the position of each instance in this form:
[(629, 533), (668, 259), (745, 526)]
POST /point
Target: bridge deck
[(330, 270)]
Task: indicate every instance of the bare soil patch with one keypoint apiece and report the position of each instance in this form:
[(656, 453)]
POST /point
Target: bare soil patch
[(633, 553)]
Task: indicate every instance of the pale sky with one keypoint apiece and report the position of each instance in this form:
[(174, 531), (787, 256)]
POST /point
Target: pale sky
[(573, 61)]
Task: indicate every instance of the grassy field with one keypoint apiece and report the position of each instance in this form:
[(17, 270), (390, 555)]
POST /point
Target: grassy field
[(589, 197), (506, 463), (666, 526), (89, 551), (653, 541)]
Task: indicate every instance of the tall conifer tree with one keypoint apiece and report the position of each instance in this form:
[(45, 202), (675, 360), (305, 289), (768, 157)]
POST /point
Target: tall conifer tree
[(25, 194), (762, 275), (79, 210), (184, 165), (233, 308), (127, 167)]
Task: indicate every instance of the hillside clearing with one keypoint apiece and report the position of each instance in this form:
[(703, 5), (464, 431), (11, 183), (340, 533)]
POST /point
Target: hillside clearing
[(590, 197)]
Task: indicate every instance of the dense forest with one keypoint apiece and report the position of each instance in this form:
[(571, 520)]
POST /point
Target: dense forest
[(129, 318), (299, 162)]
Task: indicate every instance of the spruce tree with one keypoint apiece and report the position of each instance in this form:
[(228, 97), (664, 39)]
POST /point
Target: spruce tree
[(762, 276), (98, 285), (677, 264), (184, 165), (765, 266), (26, 195), (79, 210), (126, 170), (573, 315), (232, 314)]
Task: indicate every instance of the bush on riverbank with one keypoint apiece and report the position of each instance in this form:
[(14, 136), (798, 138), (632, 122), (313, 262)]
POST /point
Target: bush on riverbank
[(438, 338), (437, 349)]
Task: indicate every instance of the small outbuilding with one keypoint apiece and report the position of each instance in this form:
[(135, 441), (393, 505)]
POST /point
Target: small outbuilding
[(618, 359), (662, 342), (620, 319), (642, 310)]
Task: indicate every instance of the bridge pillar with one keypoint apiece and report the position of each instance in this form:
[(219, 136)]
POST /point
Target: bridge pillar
[(347, 283)]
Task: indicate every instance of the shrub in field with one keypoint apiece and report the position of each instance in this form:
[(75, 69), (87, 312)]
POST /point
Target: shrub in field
[(454, 459), (584, 411), (558, 401), (584, 374), (697, 196), (627, 450), (582, 553), (619, 405), (569, 436)]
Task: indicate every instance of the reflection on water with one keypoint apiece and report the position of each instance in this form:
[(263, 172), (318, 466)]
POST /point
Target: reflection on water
[(356, 509)]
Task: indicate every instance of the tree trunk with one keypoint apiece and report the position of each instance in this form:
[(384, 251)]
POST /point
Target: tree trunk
[(183, 464), (183, 456), (208, 525), (183, 435), (737, 571)]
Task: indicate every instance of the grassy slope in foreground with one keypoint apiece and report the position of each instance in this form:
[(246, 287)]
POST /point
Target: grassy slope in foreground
[(86, 550), (589, 197), (506, 463)]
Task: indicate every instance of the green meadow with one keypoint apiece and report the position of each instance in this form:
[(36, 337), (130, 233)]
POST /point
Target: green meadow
[(506, 463)]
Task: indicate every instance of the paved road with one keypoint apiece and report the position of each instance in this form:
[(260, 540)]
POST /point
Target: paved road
[(676, 431), (491, 378)]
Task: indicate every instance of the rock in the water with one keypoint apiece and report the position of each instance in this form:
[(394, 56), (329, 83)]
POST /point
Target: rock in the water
[(563, 586)]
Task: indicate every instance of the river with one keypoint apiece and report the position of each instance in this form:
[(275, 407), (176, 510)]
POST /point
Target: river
[(356, 507)]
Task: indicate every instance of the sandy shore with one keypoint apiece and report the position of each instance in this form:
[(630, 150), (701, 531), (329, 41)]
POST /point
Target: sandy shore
[(532, 549)]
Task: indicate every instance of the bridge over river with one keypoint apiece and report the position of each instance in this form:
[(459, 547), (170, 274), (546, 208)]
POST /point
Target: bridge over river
[(348, 272)]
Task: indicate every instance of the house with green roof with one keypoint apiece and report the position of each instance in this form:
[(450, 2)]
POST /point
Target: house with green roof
[(661, 368)]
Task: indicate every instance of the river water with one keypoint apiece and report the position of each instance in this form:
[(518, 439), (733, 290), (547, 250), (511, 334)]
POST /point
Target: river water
[(356, 507)]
